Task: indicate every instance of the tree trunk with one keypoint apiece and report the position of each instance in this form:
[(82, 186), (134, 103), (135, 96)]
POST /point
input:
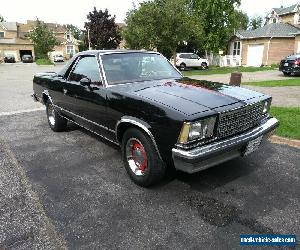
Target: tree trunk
[(174, 57)]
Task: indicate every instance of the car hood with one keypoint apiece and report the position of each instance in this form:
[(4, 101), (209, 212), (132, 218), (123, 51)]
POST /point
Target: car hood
[(193, 96)]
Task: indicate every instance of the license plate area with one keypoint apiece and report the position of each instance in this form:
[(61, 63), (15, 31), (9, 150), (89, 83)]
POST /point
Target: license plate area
[(253, 146), (286, 65)]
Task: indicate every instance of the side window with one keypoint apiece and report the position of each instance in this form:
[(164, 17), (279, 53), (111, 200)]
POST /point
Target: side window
[(194, 56), (237, 48), (185, 56), (87, 67)]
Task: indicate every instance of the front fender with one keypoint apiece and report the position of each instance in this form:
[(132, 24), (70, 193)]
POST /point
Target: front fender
[(144, 126)]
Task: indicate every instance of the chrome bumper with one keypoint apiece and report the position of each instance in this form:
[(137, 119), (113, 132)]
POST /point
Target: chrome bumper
[(207, 156)]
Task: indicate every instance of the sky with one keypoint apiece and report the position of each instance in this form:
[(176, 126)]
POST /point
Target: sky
[(75, 11)]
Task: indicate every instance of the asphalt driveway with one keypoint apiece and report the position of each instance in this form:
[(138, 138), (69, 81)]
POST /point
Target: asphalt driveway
[(81, 198), (16, 85)]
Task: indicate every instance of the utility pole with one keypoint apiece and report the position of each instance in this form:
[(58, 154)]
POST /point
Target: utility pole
[(88, 31)]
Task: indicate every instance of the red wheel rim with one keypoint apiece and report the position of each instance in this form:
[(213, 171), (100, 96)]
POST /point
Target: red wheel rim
[(136, 156)]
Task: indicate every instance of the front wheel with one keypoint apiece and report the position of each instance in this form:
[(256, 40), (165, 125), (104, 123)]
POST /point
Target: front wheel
[(141, 159), (56, 122), (287, 73)]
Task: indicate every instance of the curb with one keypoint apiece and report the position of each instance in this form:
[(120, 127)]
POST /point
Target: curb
[(282, 140)]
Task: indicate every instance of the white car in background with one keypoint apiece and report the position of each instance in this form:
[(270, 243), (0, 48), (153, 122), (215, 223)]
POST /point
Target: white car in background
[(189, 60), (58, 58)]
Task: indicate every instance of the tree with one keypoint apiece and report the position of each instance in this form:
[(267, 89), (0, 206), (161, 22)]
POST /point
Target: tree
[(76, 32), (218, 22), (161, 25), (240, 20), (43, 39), (2, 18), (256, 22), (103, 31), (83, 41)]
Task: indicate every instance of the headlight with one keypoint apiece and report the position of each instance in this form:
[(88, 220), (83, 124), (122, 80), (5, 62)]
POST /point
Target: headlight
[(199, 130), (266, 106)]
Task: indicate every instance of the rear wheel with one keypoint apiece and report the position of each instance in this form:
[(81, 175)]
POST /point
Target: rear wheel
[(182, 67), (141, 159), (287, 73), (204, 65), (56, 122)]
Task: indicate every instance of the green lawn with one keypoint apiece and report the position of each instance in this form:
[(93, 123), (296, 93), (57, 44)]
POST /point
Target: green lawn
[(275, 83), (226, 70), (43, 61), (289, 121)]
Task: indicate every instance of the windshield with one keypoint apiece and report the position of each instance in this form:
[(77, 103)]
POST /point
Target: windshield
[(135, 67)]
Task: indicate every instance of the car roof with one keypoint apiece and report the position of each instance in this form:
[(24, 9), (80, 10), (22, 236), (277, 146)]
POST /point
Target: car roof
[(116, 51)]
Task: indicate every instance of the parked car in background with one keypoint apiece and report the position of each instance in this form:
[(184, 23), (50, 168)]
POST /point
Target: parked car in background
[(140, 102), (9, 59), (190, 60), (290, 65), (27, 59), (58, 58)]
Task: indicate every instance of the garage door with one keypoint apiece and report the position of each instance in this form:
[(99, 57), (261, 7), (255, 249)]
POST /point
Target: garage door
[(11, 53), (255, 55)]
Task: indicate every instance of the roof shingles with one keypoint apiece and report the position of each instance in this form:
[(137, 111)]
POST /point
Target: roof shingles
[(287, 10), (270, 30)]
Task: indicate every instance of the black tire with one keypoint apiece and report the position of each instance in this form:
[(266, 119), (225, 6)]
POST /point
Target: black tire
[(155, 168), (182, 67), (204, 66), (287, 73), (55, 121)]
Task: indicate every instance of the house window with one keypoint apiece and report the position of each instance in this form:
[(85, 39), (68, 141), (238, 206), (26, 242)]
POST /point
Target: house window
[(1, 34), (298, 18), (237, 48), (70, 49), (68, 37), (274, 20)]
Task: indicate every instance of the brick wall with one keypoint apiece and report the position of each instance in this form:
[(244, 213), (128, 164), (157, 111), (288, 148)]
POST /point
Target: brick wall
[(279, 48)]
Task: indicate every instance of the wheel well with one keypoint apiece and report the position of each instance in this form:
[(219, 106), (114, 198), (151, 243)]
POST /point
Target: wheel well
[(123, 127), (126, 125), (45, 98)]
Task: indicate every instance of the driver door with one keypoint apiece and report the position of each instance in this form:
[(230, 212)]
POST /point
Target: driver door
[(85, 95)]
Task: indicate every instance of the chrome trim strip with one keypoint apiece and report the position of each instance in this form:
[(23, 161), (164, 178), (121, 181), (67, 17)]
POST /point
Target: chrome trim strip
[(207, 150), (140, 125), (103, 71), (83, 118), (116, 143), (46, 92)]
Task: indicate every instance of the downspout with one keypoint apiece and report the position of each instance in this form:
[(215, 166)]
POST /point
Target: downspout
[(268, 50)]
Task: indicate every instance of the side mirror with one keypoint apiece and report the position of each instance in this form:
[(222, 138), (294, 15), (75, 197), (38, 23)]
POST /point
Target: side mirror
[(85, 81)]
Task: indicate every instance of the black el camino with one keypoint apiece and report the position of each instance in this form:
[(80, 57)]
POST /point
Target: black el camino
[(138, 100)]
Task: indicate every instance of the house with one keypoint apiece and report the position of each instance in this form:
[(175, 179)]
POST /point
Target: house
[(285, 15), (269, 44), (12, 43), (266, 45), (14, 39)]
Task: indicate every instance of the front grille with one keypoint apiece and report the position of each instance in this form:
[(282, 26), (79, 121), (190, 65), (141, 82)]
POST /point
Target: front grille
[(239, 120)]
